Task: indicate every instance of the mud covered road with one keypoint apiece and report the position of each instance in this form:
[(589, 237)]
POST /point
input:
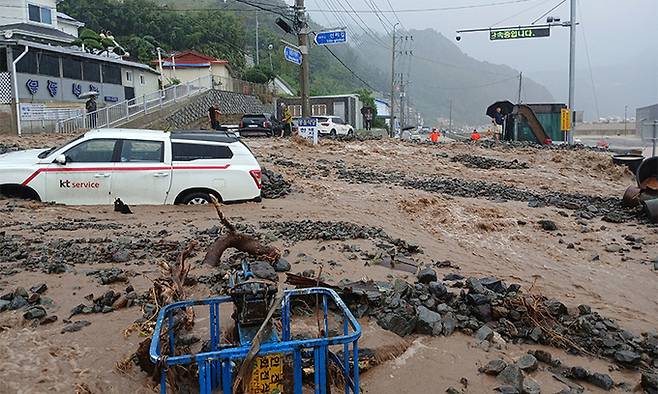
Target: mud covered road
[(546, 219)]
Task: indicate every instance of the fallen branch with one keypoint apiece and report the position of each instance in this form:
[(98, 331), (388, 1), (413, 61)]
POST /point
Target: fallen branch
[(242, 242)]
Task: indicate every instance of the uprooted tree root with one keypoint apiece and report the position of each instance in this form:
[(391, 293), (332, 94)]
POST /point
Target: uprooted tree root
[(242, 242)]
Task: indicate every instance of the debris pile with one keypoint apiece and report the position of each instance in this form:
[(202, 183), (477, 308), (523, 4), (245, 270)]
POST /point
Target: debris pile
[(495, 313), (486, 163), (4, 148), (274, 185)]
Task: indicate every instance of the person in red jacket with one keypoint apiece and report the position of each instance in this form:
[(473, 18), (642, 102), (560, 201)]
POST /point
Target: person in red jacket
[(434, 136), (475, 136)]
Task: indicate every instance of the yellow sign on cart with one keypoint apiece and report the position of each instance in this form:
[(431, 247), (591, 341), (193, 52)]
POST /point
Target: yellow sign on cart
[(267, 375), (565, 124)]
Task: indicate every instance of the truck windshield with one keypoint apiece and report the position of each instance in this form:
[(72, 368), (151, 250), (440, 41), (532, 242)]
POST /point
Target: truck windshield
[(47, 152)]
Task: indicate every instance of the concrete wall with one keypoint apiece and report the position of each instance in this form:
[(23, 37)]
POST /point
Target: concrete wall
[(220, 71)]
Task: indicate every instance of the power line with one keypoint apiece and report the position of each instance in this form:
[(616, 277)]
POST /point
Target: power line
[(519, 13), (349, 69), (589, 64), (548, 12)]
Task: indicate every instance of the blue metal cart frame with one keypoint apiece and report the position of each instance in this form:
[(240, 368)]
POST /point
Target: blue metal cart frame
[(216, 366)]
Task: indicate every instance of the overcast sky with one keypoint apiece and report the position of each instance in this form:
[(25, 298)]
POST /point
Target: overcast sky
[(618, 33)]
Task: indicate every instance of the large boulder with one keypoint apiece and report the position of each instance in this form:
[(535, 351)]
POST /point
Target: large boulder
[(426, 320)]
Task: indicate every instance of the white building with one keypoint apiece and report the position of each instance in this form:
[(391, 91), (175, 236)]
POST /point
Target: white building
[(42, 75)]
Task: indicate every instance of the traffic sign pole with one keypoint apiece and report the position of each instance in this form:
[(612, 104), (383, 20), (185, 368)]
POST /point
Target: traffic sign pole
[(572, 68), (304, 76)]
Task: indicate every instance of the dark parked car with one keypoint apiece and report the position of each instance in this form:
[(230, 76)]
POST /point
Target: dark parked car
[(259, 125)]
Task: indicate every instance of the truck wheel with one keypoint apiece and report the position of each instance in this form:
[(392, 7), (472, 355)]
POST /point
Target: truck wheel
[(333, 133), (197, 198)]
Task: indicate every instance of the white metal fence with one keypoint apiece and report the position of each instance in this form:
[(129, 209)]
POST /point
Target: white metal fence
[(128, 110)]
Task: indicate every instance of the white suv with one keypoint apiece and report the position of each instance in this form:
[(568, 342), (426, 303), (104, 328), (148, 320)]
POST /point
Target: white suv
[(137, 166), (333, 125)]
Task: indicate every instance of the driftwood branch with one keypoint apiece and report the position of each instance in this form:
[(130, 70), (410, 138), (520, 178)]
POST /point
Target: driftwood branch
[(234, 239)]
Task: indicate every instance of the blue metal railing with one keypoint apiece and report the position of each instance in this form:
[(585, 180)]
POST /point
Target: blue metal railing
[(215, 367)]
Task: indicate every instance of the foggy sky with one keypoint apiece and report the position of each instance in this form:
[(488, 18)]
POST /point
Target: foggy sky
[(620, 35)]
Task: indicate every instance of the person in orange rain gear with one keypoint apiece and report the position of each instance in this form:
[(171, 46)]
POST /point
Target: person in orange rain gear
[(475, 136), (434, 136)]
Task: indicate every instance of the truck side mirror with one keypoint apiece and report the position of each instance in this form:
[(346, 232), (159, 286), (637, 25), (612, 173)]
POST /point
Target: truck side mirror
[(61, 160)]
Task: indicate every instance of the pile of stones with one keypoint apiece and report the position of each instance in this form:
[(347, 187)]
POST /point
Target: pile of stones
[(526, 144), (495, 312), (31, 302), (109, 276), (274, 185), (109, 301), (305, 230), (486, 163)]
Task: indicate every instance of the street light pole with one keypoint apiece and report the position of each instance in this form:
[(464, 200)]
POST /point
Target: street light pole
[(572, 69)]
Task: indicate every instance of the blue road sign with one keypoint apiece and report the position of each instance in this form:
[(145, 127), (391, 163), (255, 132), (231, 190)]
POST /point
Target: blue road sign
[(331, 37), (292, 55)]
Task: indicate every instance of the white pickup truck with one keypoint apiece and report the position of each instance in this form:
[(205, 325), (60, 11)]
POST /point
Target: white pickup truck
[(138, 166)]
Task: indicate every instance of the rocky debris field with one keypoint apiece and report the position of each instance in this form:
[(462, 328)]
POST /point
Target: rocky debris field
[(472, 268)]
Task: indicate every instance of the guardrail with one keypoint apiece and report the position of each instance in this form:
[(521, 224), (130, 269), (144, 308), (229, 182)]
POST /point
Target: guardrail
[(130, 109)]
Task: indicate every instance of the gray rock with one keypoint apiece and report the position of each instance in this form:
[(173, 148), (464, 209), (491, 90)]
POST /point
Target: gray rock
[(17, 303), (263, 270), (548, 225), (613, 248), (402, 321), (39, 289), (437, 329), (527, 362), (438, 289), (282, 266), (507, 389), (494, 367), (452, 390), (627, 357), (449, 325), (35, 312), (493, 284), (475, 285), (75, 326), (536, 334), (649, 382), (543, 356), (120, 256), (579, 373), (21, 292), (485, 333), (530, 386), (511, 375), (601, 380), (4, 305), (426, 320), (426, 275)]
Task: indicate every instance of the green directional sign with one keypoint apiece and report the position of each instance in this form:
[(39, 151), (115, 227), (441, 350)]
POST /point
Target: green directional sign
[(512, 34)]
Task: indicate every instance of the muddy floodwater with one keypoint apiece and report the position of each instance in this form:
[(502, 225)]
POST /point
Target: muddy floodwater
[(516, 222)]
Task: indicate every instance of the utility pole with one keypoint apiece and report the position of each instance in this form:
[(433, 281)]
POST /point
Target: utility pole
[(302, 36), (520, 86), (572, 69), (392, 107), (402, 93), (257, 46), (450, 124), (625, 119)]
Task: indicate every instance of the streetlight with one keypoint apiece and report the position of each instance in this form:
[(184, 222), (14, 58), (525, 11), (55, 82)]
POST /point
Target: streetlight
[(269, 48)]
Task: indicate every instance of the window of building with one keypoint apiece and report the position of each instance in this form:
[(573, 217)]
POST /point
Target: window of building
[(3, 60), (129, 76), (71, 67), (39, 14), (296, 110), (91, 71), (92, 151), (28, 63), (319, 110), (142, 151), (141, 79), (189, 152), (111, 74), (48, 64)]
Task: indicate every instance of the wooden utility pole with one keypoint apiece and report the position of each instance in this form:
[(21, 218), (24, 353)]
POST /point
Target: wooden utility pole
[(392, 106)]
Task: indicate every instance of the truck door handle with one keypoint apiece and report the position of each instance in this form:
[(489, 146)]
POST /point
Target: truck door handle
[(161, 174), (102, 175)]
